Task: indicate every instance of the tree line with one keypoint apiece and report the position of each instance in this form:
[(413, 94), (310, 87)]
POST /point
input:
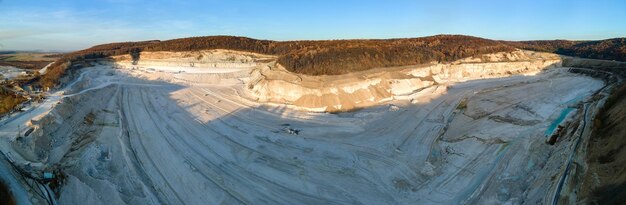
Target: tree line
[(609, 49)]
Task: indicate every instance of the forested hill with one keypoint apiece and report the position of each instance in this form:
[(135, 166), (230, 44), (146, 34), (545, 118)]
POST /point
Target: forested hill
[(333, 57), (609, 49), (329, 57)]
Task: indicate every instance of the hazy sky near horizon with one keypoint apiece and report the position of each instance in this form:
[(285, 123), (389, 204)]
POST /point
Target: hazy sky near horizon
[(78, 24)]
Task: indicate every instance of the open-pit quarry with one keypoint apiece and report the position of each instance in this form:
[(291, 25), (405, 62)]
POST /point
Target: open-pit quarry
[(230, 127)]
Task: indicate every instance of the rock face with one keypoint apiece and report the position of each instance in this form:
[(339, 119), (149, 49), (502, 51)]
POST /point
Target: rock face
[(357, 90), (200, 59), (268, 82)]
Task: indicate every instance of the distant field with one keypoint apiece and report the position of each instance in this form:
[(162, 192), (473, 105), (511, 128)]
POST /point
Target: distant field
[(29, 57), (28, 60)]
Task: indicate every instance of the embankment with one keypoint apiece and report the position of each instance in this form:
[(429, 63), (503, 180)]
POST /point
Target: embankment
[(601, 174)]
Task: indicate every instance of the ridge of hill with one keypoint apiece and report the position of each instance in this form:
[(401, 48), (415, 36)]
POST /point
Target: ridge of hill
[(608, 49)]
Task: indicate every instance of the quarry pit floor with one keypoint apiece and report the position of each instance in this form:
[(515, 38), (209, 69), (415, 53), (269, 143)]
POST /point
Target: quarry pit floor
[(132, 136)]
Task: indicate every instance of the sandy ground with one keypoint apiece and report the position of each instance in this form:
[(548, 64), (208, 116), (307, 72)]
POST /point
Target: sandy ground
[(140, 136)]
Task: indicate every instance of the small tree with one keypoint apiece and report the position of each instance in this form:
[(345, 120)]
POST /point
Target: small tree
[(135, 54)]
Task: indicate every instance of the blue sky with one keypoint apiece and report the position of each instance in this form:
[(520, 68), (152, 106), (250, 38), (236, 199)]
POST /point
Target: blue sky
[(77, 24)]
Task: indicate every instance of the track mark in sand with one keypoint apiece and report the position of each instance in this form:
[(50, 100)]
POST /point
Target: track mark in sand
[(243, 120), (137, 165), (265, 181), (147, 156), (168, 130)]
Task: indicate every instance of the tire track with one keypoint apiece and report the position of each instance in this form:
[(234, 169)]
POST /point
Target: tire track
[(147, 156)]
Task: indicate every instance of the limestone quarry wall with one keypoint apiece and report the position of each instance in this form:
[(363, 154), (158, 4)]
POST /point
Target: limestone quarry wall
[(200, 67), (268, 81), (201, 59), (346, 92)]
